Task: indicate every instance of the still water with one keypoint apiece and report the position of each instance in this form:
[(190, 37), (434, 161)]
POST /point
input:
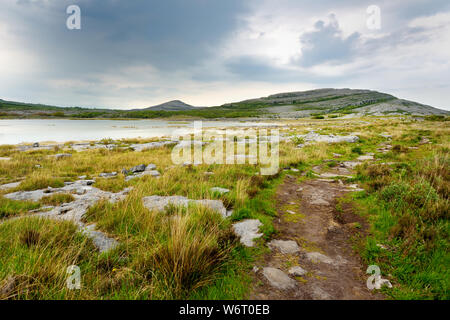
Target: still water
[(44, 130)]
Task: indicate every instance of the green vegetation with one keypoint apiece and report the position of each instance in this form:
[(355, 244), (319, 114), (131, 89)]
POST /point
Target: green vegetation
[(191, 253)]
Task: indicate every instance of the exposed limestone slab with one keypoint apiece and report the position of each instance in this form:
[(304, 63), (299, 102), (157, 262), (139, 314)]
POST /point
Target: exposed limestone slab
[(100, 240), (108, 174), (316, 137), (297, 271), (247, 231), (365, 157), (320, 294), (85, 197), (278, 279), (10, 185), (151, 145), (159, 203), (350, 164), (319, 257), (284, 246), (219, 190), (334, 175)]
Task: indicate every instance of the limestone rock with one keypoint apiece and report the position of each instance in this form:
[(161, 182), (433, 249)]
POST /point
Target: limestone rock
[(297, 271), (278, 279), (247, 231), (219, 190), (159, 203), (284, 246)]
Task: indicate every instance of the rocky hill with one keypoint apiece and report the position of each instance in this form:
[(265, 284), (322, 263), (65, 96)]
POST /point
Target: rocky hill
[(174, 105), (338, 101)]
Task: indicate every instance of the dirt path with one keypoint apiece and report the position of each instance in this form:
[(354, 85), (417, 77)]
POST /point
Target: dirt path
[(311, 255)]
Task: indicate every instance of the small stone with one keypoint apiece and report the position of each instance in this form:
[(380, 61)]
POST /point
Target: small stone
[(108, 174), (278, 279), (125, 172), (284, 246), (219, 190), (297, 271), (318, 257), (36, 145), (150, 167), (255, 269), (5, 158), (364, 158), (247, 231), (139, 168)]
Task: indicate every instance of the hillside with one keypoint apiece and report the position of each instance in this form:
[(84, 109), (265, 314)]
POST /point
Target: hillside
[(337, 101), (321, 102), (174, 105)]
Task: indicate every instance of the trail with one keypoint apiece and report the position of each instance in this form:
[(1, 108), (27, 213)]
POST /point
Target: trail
[(311, 255)]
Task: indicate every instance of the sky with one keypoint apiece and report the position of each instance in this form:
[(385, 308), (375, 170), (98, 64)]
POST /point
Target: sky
[(139, 53)]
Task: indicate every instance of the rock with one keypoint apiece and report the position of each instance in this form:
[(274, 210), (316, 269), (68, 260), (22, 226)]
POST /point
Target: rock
[(37, 166), (125, 172), (255, 269), (100, 240), (318, 201), (349, 164), (297, 271), (86, 182), (247, 231), (208, 173), (139, 168), (333, 175), (61, 156), (284, 246), (337, 155), (319, 294), (151, 145), (290, 212), (278, 279), (385, 135), (153, 173), (365, 157), (318, 257), (108, 174), (85, 197), (5, 158), (9, 185), (36, 145), (150, 167), (315, 137), (82, 177), (219, 190), (295, 170), (159, 203)]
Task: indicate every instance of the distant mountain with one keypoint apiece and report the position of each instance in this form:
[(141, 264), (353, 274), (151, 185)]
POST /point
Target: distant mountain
[(336, 101), (174, 105), (327, 102)]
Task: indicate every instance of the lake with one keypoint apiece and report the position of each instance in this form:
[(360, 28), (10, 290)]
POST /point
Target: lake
[(45, 130)]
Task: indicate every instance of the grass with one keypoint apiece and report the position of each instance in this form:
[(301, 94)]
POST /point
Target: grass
[(191, 253)]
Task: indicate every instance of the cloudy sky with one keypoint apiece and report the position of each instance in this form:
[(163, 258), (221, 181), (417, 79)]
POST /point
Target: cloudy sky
[(138, 53)]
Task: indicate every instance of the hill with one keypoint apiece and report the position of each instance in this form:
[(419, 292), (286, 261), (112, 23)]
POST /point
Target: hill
[(318, 103), (174, 105)]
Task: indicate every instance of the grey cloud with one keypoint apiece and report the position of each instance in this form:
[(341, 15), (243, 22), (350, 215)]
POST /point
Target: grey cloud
[(327, 44)]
